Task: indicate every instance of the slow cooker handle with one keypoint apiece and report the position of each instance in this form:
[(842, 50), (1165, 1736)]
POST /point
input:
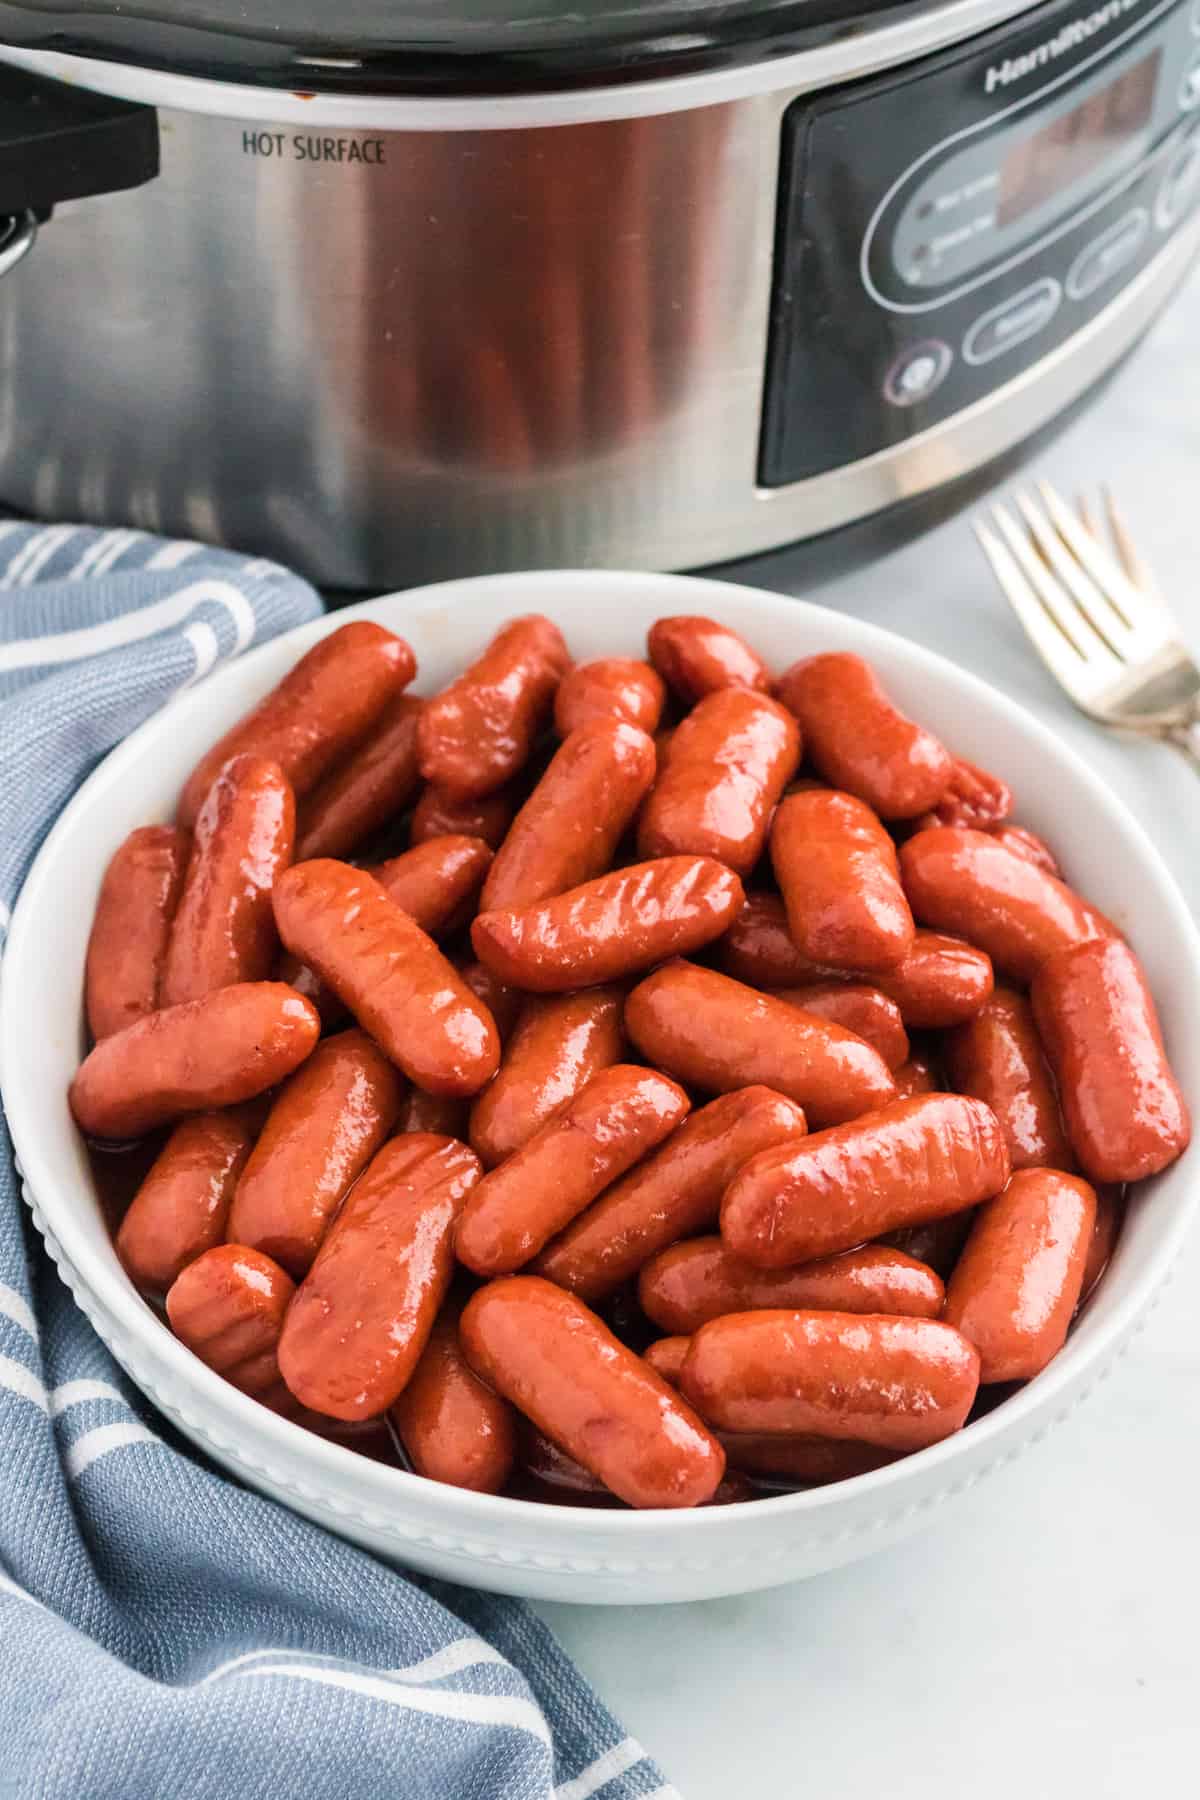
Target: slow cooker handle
[(18, 234), (60, 142)]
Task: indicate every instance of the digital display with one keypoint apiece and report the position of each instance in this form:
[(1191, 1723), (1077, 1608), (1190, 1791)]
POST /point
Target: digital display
[(1078, 143)]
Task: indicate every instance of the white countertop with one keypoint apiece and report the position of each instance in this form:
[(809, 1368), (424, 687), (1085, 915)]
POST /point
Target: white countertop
[(1040, 1639)]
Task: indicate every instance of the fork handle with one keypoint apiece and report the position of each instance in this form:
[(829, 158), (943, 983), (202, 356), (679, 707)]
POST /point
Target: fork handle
[(1186, 738)]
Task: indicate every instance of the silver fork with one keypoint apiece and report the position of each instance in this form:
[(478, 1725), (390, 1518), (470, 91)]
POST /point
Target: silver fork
[(1096, 617)]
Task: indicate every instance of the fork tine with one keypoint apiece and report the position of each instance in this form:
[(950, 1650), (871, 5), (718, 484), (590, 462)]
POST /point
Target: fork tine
[(1057, 652), (1089, 648), (1075, 579), (1119, 594), (1130, 558)]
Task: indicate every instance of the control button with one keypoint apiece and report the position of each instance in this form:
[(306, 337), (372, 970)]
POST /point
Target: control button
[(1180, 185), (1189, 85), (1108, 255), (1009, 324), (917, 372)]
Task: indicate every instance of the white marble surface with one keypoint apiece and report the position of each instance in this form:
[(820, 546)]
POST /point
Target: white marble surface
[(1040, 1639)]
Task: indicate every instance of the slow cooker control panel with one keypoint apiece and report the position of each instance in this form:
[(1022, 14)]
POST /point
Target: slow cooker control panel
[(944, 229)]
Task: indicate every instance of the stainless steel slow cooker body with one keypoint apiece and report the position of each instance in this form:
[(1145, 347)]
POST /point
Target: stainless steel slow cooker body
[(388, 339)]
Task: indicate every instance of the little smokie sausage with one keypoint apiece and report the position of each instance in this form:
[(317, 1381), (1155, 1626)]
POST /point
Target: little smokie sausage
[(1126, 1116), (318, 712), (228, 1308), (395, 980), (1020, 1276), (614, 687), (476, 734), (1027, 844), (614, 926), (859, 741), (132, 927), (665, 1356), (562, 1367), (856, 1007), (728, 763), (696, 656), (363, 1313), (912, 1161), (941, 981), (716, 1034), (689, 1284), (367, 791), (571, 824), (181, 1208), (439, 814), (193, 1058), (900, 1384), (436, 882), (997, 1056), (453, 1428), (837, 871), (328, 1121), (621, 1114), (967, 882), (560, 1043), (973, 797), (671, 1195), (224, 928)]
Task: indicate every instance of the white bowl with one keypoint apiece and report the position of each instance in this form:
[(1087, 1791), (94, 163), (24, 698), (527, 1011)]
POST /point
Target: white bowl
[(552, 1552)]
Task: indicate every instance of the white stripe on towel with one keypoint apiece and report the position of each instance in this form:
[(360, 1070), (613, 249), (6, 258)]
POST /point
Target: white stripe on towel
[(174, 553), (128, 628), (28, 549), (617, 1761), (205, 647), (441, 1703), (23, 1382), (125, 540), (97, 1443), (53, 542), (9, 1586), (98, 547), (463, 1653), (14, 1306), (74, 1393)]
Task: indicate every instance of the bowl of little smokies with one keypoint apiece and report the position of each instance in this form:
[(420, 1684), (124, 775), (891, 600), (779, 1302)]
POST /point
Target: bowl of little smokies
[(607, 1087)]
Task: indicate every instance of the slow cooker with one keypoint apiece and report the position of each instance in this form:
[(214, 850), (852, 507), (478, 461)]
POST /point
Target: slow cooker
[(408, 288)]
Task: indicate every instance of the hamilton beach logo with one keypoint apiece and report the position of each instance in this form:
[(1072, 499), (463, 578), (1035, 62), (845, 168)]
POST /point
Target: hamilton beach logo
[(1068, 37)]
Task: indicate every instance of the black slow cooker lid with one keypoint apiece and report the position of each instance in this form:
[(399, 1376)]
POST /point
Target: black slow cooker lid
[(468, 46)]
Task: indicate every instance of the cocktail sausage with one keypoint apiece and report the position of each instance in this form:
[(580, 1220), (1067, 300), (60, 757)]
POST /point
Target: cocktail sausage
[(912, 1161)]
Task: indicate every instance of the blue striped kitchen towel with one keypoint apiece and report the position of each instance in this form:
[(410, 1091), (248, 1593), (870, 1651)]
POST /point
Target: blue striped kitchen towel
[(164, 1632)]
